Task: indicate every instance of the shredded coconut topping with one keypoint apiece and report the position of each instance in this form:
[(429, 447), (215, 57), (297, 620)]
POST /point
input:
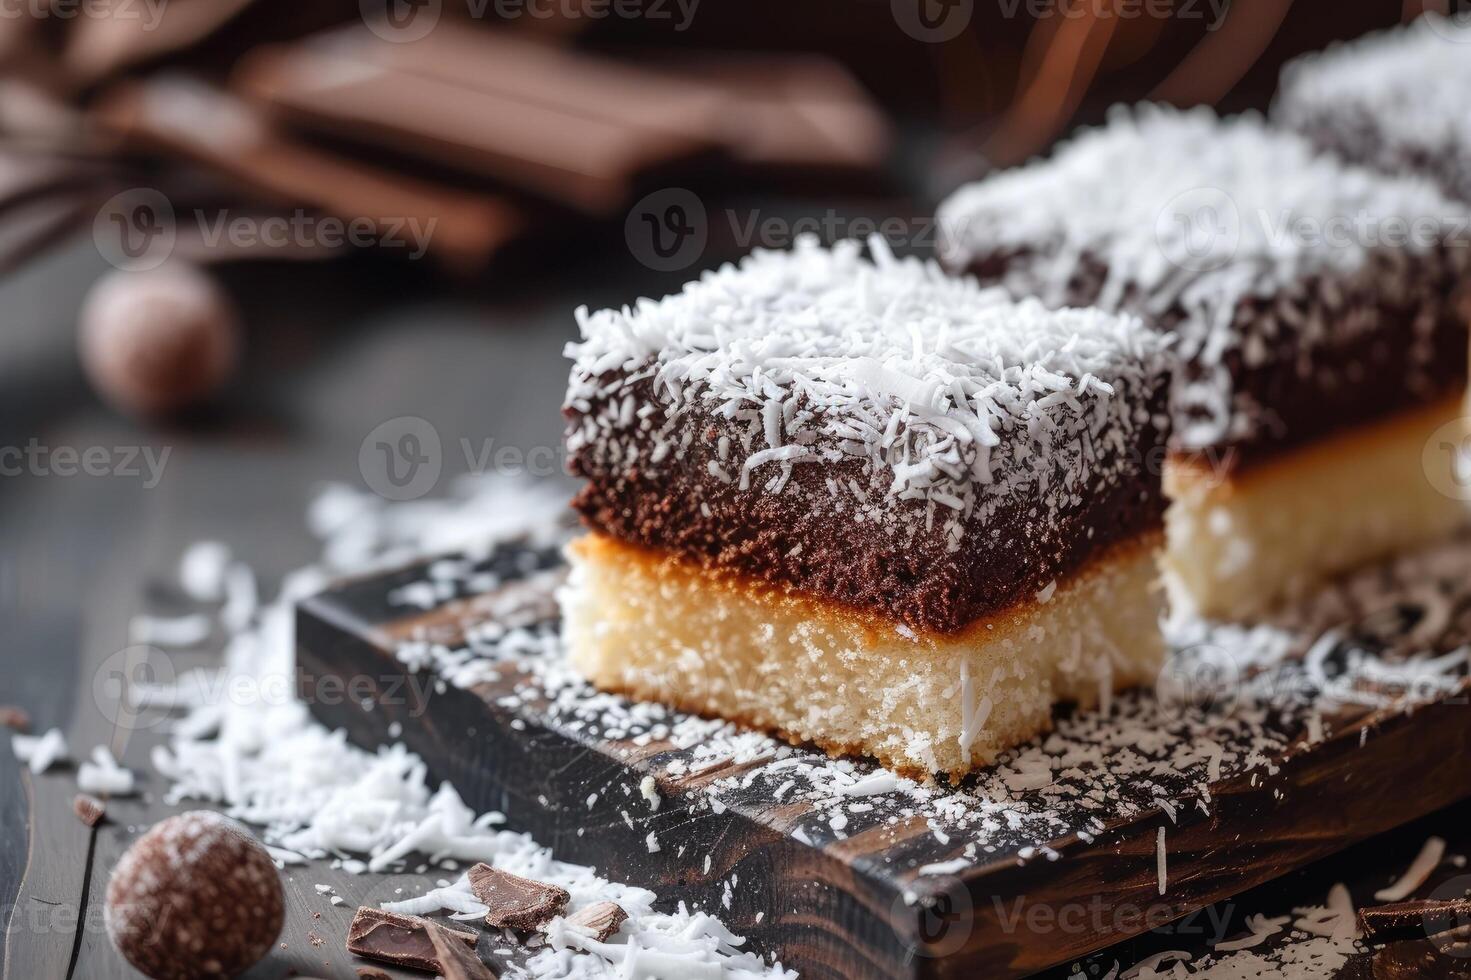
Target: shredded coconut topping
[(1410, 81), (952, 393), (1225, 231)]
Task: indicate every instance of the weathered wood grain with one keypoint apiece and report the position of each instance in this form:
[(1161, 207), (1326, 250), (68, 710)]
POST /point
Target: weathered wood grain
[(835, 905)]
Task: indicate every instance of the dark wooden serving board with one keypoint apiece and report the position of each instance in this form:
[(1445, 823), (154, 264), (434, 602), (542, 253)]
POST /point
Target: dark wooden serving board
[(1076, 872)]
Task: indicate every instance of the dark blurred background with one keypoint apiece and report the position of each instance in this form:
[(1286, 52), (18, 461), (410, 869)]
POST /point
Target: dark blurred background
[(331, 166)]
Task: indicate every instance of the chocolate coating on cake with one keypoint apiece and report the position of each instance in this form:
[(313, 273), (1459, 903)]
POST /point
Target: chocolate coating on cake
[(883, 504), (836, 547), (1393, 100), (1302, 295), (1286, 387)]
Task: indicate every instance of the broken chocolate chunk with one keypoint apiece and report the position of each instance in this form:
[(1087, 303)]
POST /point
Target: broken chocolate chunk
[(456, 961), (515, 902), (1415, 920), (402, 940), (603, 919), (372, 973), (1417, 961), (89, 809)]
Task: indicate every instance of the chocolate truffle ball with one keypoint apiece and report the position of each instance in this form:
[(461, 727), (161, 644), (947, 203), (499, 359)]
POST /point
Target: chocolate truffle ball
[(195, 897), (157, 341)]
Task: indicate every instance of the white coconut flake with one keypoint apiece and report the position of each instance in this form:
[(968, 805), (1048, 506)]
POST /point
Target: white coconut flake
[(648, 788), (40, 752), (169, 631), (1260, 928), (102, 776), (1219, 246), (1160, 869), (315, 797), (1417, 874), (915, 396), (202, 571), (1407, 85)]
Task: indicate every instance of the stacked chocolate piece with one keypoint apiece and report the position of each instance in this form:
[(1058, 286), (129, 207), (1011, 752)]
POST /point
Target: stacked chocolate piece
[(898, 513)]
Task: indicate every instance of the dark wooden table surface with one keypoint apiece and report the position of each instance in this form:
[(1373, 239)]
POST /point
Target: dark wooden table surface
[(334, 350)]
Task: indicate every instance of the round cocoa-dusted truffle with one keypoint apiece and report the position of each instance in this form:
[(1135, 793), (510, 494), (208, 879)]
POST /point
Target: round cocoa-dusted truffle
[(195, 897), (157, 341)]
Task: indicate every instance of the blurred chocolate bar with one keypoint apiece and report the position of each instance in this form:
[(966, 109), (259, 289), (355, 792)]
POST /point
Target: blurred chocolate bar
[(134, 32), (778, 110), (190, 118), (577, 129), (788, 112), (576, 160)]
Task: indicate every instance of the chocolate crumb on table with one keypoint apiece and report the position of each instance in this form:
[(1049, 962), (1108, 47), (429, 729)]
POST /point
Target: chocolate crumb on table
[(15, 719), (602, 919), (402, 940), (89, 809), (516, 902), (372, 973), (456, 961), (1416, 920)]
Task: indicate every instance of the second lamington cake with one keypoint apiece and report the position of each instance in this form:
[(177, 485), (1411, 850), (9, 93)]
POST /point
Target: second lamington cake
[(866, 505), (1395, 100), (1319, 324)]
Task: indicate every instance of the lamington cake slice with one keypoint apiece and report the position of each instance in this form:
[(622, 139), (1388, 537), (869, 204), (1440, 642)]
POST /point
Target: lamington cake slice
[(866, 505), (1318, 321), (1395, 100)]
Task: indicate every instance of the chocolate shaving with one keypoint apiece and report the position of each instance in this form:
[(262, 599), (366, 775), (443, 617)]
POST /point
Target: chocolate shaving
[(602, 918), (1415, 920), (15, 719), (1417, 961), (89, 809), (515, 902), (402, 940), (455, 961)]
